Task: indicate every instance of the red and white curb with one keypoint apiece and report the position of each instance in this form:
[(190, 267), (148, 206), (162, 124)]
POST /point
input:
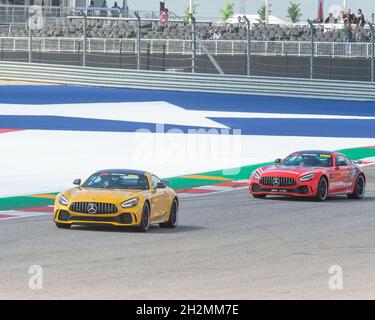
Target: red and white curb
[(26, 213), (214, 188), (366, 163)]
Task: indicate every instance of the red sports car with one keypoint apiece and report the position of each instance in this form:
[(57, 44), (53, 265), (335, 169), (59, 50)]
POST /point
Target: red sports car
[(315, 174)]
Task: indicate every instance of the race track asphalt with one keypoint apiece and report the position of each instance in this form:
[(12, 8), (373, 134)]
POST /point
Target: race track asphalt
[(228, 246)]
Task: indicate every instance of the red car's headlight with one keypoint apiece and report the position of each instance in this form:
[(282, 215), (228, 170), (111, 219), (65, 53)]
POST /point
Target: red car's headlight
[(307, 177), (255, 174)]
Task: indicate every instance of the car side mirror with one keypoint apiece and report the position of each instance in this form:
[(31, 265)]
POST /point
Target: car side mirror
[(77, 182), (161, 185), (278, 161)]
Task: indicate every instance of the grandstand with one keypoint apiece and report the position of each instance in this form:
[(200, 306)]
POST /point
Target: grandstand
[(153, 30), (113, 42)]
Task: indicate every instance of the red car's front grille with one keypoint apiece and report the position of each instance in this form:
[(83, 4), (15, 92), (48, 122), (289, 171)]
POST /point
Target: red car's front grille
[(278, 181)]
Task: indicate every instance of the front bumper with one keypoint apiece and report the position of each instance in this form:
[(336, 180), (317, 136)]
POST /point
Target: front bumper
[(123, 219), (305, 189)]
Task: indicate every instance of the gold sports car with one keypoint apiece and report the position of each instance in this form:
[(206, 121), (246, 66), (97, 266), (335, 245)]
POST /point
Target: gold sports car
[(126, 198)]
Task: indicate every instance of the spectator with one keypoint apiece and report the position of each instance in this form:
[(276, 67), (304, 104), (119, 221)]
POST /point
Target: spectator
[(330, 19), (340, 18), (241, 22), (90, 10), (164, 16), (318, 20), (349, 18), (360, 19), (115, 11), (104, 9), (217, 35)]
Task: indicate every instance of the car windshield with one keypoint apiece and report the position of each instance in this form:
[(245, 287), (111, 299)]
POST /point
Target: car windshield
[(105, 180), (308, 160)]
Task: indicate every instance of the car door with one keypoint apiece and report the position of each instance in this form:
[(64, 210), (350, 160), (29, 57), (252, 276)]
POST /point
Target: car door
[(341, 174), (159, 200)]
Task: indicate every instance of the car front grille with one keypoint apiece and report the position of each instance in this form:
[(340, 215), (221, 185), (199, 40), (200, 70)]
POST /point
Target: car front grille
[(278, 181), (93, 208)]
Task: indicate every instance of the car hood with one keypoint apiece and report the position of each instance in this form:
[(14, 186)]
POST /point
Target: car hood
[(80, 194), (287, 171)]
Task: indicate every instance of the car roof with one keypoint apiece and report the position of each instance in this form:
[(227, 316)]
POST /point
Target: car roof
[(316, 151), (123, 171)]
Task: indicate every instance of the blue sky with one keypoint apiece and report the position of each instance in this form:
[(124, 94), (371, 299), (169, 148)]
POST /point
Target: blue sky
[(211, 8)]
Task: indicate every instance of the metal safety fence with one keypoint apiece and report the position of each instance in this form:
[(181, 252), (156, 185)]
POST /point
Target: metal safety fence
[(176, 46)]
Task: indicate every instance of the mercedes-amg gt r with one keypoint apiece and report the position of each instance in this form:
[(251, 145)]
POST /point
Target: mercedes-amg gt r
[(315, 174), (120, 198)]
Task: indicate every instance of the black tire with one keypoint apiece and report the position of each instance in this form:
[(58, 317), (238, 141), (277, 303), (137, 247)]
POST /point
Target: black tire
[(173, 217), (145, 219), (259, 196), (359, 189), (63, 225), (322, 192)]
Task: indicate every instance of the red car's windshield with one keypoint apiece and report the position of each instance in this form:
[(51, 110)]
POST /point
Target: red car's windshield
[(308, 160)]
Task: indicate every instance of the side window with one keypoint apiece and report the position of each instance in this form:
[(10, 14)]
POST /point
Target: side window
[(342, 161), (348, 162), (154, 181)]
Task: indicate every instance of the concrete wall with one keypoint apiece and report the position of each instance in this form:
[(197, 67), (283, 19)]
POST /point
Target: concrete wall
[(358, 69)]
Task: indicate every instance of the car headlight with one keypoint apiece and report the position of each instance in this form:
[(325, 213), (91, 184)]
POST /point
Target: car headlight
[(130, 203), (307, 177), (63, 200), (255, 174)]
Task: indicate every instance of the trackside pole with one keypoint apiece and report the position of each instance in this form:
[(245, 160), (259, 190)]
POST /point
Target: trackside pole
[(312, 29), (30, 44), (84, 39), (194, 43), (372, 51), (138, 41), (248, 45)]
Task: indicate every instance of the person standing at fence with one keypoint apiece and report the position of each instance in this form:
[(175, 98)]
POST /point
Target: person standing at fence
[(360, 19), (164, 16), (164, 13), (90, 10), (348, 17), (330, 19), (115, 11), (104, 9)]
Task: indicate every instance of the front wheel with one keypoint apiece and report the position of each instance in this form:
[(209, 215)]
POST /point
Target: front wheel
[(173, 217), (322, 191), (145, 219), (359, 189)]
